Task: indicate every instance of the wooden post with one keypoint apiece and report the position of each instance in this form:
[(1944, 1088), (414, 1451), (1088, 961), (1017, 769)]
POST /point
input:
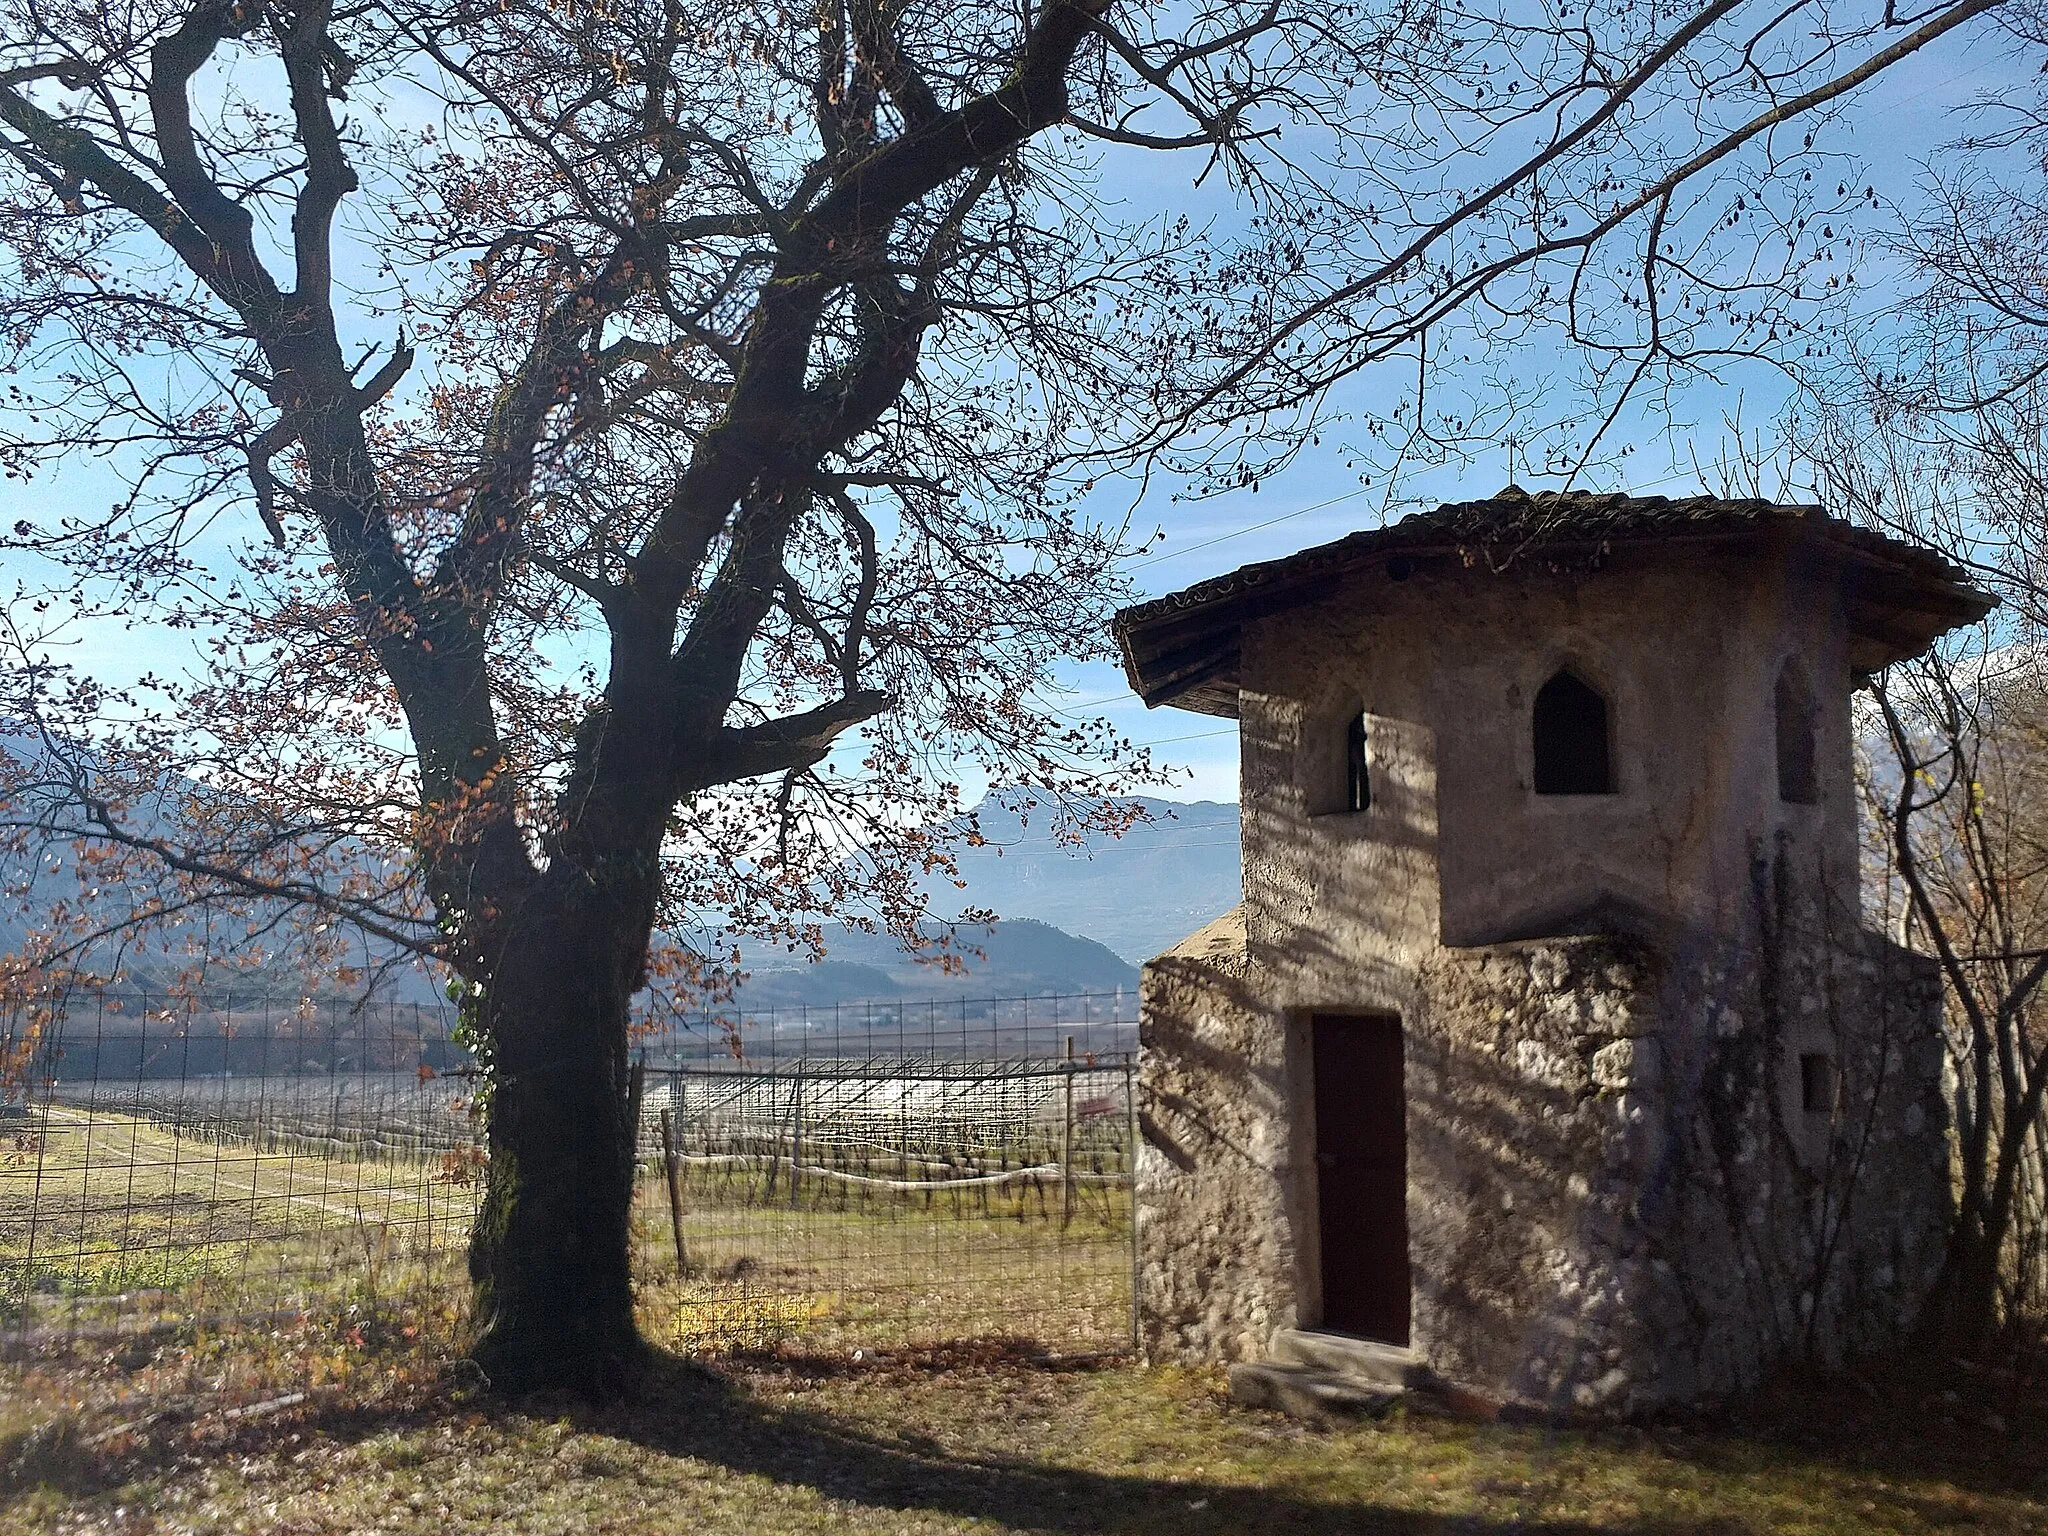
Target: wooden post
[(1131, 1183), (675, 1191), (796, 1134), (1067, 1146), (636, 1089)]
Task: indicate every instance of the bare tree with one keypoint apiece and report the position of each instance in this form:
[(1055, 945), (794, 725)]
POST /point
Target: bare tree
[(1936, 410), (1967, 822), (1935, 427), (645, 401)]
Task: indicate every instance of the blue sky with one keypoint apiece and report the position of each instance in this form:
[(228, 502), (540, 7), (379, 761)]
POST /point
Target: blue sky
[(1894, 128)]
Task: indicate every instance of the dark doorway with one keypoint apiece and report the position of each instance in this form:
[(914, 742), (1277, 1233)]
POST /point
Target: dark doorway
[(1362, 1174)]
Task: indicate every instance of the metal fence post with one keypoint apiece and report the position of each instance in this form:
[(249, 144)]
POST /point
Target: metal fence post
[(771, 1137), (796, 1134)]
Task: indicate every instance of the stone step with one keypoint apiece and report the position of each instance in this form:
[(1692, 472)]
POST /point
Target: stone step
[(1366, 1361), (1306, 1392)]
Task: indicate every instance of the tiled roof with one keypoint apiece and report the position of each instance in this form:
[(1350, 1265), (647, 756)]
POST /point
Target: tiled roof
[(1184, 643)]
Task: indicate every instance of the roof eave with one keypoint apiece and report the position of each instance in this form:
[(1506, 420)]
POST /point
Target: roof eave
[(1203, 652)]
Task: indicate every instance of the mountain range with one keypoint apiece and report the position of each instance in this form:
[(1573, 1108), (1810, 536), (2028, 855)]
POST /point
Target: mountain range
[(1016, 957), (1071, 918), (1138, 894)]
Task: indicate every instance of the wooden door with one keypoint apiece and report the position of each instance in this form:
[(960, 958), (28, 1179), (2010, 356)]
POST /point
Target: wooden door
[(1362, 1174)]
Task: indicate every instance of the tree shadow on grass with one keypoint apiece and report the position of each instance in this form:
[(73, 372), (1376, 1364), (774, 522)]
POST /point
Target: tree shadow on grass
[(1907, 1417), (689, 1412)]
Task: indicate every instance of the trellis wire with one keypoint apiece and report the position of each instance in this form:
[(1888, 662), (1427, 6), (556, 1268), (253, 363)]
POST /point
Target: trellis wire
[(894, 1173), (172, 1172)]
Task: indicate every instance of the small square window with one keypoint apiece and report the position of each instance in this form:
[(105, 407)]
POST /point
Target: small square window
[(1817, 1083)]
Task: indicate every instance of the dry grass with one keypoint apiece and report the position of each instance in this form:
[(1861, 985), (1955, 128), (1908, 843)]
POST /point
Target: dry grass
[(110, 1224), (361, 1425), (109, 1221), (830, 1280), (981, 1439)]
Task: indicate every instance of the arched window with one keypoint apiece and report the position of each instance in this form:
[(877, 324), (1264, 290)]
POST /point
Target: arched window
[(1797, 783), (1357, 785), (1570, 728)]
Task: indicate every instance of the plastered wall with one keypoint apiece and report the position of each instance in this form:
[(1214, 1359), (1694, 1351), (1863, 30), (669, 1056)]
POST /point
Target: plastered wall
[(1686, 649)]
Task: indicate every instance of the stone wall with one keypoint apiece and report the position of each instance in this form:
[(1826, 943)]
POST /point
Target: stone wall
[(1218, 1189), (1788, 1233), (1616, 1200), (1520, 1068)]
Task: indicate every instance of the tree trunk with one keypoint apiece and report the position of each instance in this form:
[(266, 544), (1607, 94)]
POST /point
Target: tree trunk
[(1965, 1311), (549, 1257), (1962, 1315)]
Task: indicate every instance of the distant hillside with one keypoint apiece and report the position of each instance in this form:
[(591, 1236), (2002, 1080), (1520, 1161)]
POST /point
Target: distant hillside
[(1072, 919), (250, 972), (1018, 958), (1139, 894)]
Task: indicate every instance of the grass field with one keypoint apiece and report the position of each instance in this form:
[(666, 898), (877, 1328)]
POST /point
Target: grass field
[(980, 1439), (113, 1225), (323, 1396), (109, 1221)]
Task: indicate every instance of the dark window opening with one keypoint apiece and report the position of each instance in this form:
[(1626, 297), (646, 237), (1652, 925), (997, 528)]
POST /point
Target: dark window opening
[(1797, 784), (1357, 785), (1817, 1083), (1572, 754)]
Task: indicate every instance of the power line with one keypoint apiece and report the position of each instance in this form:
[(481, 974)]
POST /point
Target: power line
[(1224, 538), (1940, 85), (1070, 711)]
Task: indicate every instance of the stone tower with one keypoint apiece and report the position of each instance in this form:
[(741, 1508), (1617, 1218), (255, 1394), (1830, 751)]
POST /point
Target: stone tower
[(1547, 1044)]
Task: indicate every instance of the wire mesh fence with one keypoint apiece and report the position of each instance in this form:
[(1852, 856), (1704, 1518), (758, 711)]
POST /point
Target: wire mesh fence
[(223, 1196), (895, 1174), (208, 1194)]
